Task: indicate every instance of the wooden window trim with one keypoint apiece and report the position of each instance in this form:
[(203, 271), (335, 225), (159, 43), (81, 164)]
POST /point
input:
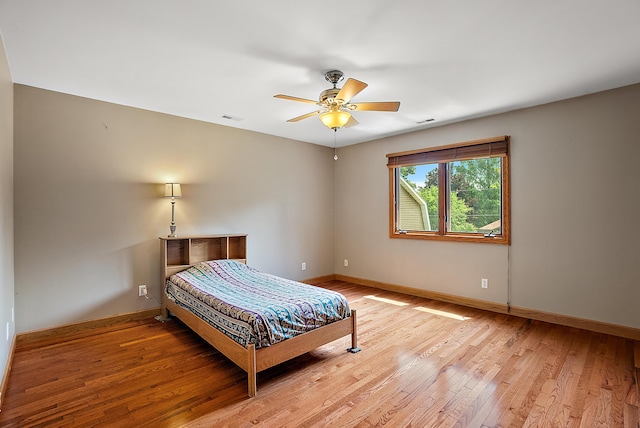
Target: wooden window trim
[(488, 147)]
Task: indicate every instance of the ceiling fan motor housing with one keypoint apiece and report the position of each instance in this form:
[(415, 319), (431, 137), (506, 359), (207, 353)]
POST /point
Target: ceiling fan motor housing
[(327, 97)]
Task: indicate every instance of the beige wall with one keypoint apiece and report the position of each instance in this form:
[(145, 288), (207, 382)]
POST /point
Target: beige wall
[(88, 212), (575, 205), (6, 210)]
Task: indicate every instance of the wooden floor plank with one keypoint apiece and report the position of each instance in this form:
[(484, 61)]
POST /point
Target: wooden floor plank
[(423, 363)]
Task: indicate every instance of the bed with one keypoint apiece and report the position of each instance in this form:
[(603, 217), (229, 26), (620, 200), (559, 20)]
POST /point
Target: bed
[(255, 319)]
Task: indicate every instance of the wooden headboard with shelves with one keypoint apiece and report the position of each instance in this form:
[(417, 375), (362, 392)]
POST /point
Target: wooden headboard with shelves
[(182, 252)]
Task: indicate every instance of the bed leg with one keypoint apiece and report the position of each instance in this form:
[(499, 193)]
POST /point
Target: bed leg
[(164, 311), (251, 370), (354, 333)]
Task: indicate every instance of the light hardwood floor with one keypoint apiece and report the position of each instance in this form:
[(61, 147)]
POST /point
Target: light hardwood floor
[(423, 364)]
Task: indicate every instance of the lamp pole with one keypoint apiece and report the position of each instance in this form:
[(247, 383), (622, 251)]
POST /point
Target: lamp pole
[(172, 227), (173, 191)]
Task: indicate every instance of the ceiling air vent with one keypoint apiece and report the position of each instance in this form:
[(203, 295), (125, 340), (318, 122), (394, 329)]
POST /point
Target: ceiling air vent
[(237, 119)]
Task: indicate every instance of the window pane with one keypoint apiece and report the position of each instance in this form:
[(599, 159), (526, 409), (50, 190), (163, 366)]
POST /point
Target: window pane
[(417, 202), (475, 196)]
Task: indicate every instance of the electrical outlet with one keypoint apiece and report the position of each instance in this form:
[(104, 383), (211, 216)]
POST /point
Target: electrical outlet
[(304, 266), (485, 283), (346, 262), (142, 290)]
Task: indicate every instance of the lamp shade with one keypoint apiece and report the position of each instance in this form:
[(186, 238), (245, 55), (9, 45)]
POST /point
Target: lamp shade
[(172, 190), (335, 118)]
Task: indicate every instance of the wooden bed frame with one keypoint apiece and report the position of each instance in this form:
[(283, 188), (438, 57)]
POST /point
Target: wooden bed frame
[(254, 360)]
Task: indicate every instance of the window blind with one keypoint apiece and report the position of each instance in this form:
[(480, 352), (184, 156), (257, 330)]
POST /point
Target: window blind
[(489, 147)]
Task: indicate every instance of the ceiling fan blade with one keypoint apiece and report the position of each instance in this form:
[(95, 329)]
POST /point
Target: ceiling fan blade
[(289, 97), (305, 116), (377, 106), (351, 122), (350, 89)]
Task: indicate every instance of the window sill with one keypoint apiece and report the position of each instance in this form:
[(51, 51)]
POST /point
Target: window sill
[(478, 239)]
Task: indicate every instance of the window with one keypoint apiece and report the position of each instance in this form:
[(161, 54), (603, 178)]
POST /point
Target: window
[(458, 192)]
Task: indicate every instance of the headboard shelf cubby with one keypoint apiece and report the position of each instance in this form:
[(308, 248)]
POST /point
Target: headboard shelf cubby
[(184, 251)]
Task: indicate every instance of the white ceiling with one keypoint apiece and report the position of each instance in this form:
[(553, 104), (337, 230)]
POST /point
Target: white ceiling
[(446, 60)]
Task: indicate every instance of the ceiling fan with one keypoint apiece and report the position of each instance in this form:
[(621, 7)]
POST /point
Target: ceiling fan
[(336, 105)]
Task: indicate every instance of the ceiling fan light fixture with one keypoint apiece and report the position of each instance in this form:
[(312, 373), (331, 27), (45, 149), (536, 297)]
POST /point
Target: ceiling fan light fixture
[(334, 119)]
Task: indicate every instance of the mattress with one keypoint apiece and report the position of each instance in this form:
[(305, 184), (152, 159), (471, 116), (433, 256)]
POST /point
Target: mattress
[(250, 306)]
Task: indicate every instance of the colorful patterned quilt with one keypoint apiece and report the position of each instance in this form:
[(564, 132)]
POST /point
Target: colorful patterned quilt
[(250, 306)]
